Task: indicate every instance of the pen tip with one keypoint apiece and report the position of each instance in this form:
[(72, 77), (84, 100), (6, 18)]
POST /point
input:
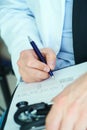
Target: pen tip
[(53, 77)]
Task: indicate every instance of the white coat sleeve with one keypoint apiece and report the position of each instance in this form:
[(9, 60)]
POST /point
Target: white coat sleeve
[(16, 23)]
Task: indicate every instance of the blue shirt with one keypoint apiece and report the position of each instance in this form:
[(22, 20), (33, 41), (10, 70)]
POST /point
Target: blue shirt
[(65, 57)]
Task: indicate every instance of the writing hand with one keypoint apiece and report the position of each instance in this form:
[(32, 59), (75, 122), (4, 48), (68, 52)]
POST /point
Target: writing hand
[(32, 69)]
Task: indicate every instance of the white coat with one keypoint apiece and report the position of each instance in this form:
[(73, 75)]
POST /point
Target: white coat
[(42, 20)]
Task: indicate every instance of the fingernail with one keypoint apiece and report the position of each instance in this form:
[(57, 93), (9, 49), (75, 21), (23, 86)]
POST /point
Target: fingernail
[(52, 65), (46, 69)]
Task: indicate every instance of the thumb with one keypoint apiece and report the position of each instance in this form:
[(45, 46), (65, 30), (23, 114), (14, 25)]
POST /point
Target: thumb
[(50, 57)]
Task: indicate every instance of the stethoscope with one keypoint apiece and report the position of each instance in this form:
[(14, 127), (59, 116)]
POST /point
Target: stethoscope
[(31, 117)]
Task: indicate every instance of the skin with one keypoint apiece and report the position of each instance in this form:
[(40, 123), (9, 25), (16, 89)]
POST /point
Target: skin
[(33, 70), (69, 111)]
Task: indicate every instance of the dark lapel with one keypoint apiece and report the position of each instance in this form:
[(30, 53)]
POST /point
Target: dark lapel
[(79, 25)]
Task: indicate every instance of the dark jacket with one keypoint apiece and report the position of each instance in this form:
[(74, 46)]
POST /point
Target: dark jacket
[(79, 25)]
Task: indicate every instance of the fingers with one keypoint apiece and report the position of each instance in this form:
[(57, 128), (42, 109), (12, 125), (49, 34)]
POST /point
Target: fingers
[(34, 63), (67, 114), (82, 124), (61, 118), (33, 75), (54, 118), (50, 57), (70, 117), (82, 121), (30, 68), (30, 59)]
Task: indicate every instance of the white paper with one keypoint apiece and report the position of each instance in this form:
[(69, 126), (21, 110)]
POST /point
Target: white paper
[(43, 91)]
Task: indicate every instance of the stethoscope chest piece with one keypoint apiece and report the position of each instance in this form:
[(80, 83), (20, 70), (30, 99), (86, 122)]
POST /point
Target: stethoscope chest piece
[(31, 117)]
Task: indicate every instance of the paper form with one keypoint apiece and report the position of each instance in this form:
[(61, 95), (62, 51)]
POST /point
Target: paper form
[(43, 91)]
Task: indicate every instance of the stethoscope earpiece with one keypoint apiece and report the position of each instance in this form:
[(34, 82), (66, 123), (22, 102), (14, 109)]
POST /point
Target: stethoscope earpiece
[(21, 104)]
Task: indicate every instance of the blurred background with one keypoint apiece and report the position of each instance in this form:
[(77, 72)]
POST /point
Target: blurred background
[(7, 78)]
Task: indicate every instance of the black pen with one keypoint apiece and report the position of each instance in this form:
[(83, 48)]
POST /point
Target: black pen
[(40, 56)]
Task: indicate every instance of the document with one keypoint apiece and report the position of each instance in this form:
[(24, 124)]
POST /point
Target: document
[(43, 91)]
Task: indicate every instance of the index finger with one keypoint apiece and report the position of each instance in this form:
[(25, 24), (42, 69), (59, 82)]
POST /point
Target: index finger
[(35, 63)]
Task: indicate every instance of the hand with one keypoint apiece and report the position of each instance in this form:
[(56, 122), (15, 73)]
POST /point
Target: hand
[(69, 111), (33, 70)]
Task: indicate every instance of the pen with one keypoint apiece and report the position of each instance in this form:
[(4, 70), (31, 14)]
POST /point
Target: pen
[(40, 56)]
